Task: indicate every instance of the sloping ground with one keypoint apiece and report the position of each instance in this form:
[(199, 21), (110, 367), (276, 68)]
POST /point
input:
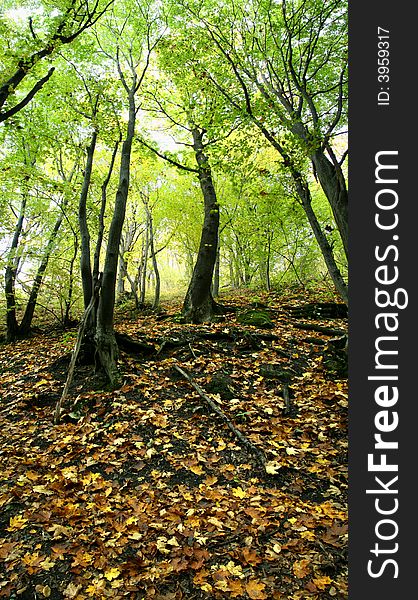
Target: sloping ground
[(144, 492)]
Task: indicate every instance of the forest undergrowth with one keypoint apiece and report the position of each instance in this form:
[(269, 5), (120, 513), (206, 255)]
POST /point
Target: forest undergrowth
[(146, 492)]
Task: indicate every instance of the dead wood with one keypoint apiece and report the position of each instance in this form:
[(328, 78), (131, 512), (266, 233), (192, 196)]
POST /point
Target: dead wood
[(315, 341), (261, 459), (320, 328)]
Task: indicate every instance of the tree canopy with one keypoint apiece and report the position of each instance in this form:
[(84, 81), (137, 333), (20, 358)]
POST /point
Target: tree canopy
[(157, 101)]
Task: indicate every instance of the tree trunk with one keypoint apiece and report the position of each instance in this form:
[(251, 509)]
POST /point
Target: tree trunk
[(216, 273), (99, 241), (334, 187), (267, 263), (106, 346), (66, 321), (85, 262), (326, 250), (122, 271), (10, 276), (199, 306), (150, 244), (143, 268), (157, 290), (26, 323)]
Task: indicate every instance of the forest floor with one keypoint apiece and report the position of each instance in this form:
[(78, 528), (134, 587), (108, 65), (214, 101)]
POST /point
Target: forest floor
[(145, 492)]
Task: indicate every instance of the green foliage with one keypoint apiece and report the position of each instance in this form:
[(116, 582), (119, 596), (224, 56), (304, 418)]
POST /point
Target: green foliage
[(236, 70)]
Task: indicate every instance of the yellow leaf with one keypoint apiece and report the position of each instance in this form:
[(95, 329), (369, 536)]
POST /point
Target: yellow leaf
[(71, 590), (43, 590), (47, 564), (41, 382), (41, 489), (173, 542), (211, 480), (272, 467), (291, 451), (197, 470), (17, 522), (234, 569), (222, 585), (112, 573), (161, 545), (322, 582), (239, 492)]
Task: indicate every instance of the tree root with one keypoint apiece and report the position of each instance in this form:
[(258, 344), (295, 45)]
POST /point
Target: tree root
[(324, 330)]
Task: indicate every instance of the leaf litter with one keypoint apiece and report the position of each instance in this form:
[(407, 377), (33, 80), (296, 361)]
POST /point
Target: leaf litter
[(144, 492)]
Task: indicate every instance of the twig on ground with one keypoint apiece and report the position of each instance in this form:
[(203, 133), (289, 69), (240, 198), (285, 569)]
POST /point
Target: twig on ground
[(259, 455)]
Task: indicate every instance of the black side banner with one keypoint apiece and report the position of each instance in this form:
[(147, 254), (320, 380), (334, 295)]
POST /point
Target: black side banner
[(382, 306)]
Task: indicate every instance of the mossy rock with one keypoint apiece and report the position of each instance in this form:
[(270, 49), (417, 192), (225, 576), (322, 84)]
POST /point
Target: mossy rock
[(221, 384), (256, 317)]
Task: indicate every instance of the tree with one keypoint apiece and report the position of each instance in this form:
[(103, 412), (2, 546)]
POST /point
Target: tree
[(40, 180), (282, 68), (73, 18), (132, 55)]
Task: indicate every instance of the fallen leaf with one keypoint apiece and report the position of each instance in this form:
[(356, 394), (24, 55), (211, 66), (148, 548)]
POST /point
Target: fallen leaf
[(301, 568), (255, 589), (112, 573)]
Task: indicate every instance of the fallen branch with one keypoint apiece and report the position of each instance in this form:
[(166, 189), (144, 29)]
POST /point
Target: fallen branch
[(261, 459), (234, 335), (324, 330)]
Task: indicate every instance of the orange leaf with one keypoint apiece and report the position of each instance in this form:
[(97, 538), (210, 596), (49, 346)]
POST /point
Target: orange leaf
[(255, 590), (301, 568), (322, 582)]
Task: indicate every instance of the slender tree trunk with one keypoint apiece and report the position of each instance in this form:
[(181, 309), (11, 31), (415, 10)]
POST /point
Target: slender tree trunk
[(107, 349), (85, 261), (99, 240), (10, 276), (150, 244), (26, 323), (157, 290), (326, 250), (199, 306), (144, 262), (216, 273), (122, 271), (68, 302), (334, 187), (267, 263)]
